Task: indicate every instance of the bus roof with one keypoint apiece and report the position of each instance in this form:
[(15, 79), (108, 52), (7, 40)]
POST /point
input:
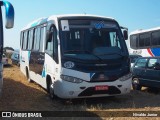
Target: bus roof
[(143, 31), (54, 17)]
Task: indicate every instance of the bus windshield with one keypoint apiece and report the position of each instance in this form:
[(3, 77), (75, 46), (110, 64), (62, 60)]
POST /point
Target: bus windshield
[(86, 37)]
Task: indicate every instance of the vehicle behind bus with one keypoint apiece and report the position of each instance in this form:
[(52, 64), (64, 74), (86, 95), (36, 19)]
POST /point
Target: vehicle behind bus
[(146, 42), (9, 24), (146, 72), (76, 56)]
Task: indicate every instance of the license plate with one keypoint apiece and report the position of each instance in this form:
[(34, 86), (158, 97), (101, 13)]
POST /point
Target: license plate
[(102, 87)]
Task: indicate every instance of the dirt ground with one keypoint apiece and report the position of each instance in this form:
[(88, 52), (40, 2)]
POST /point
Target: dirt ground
[(19, 95)]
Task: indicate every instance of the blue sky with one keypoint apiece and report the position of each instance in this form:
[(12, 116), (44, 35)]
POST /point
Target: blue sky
[(134, 14)]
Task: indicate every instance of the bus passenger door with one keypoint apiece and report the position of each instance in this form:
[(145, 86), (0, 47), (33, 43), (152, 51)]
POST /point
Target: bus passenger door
[(36, 62), (51, 50)]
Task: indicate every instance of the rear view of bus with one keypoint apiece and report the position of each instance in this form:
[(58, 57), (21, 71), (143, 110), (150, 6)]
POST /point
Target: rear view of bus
[(9, 24), (79, 56)]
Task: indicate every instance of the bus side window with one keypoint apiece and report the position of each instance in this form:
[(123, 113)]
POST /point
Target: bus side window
[(36, 39), (41, 38), (49, 44), (52, 44), (25, 40), (144, 40), (155, 38), (22, 39), (30, 39), (134, 40)]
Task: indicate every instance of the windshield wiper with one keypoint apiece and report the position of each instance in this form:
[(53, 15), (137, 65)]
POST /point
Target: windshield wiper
[(86, 51), (100, 59)]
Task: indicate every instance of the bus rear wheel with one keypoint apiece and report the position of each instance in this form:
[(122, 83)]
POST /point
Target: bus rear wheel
[(28, 76)]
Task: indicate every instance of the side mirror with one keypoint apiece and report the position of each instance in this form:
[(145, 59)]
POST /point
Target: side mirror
[(9, 14), (125, 34)]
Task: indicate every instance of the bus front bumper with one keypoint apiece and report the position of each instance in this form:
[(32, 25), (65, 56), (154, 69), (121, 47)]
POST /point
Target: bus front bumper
[(65, 89)]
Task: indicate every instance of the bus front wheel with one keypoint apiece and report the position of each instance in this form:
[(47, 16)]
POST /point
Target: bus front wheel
[(50, 88)]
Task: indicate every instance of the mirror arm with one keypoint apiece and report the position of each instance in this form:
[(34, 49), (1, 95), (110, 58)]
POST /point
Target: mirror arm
[(124, 28)]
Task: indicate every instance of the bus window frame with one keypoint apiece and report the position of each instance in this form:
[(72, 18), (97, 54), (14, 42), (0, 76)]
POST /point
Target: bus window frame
[(158, 42), (144, 39), (25, 40), (33, 38), (21, 41), (30, 39), (137, 41), (55, 42)]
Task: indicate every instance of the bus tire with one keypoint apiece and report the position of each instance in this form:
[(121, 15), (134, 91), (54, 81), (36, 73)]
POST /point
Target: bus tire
[(50, 88), (27, 75), (135, 85)]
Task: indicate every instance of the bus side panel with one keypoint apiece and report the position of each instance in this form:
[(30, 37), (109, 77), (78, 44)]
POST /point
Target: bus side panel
[(38, 79), (142, 52), (51, 67), (37, 68), (24, 61), (146, 53)]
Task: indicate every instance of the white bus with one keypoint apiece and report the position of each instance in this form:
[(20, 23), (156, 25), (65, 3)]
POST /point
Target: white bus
[(9, 10), (76, 56), (145, 42)]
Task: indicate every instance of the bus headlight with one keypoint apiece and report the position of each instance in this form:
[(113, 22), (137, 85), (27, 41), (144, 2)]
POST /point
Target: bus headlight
[(126, 77), (71, 79)]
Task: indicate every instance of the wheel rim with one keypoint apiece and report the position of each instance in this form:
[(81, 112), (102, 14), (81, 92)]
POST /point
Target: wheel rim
[(135, 83)]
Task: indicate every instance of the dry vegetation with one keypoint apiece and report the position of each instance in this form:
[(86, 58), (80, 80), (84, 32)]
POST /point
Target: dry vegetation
[(19, 95)]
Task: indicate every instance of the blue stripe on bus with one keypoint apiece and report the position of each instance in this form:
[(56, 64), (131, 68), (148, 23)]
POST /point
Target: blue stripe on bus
[(155, 51), (34, 24), (39, 22), (29, 54), (91, 75), (43, 72)]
